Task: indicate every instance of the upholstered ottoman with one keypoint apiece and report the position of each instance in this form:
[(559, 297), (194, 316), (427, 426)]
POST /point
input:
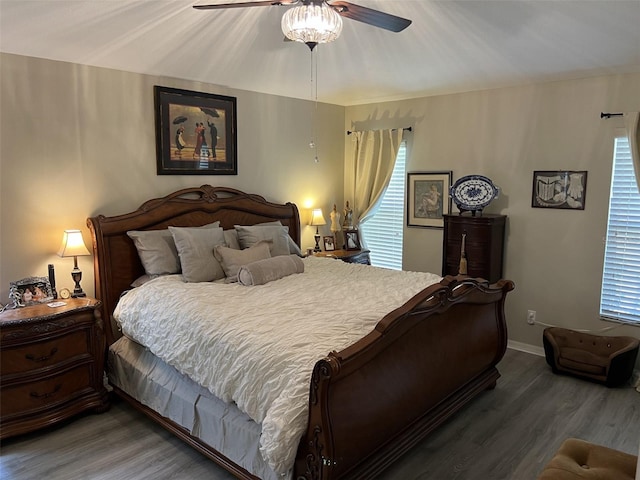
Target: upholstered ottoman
[(577, 459), (609, 360)]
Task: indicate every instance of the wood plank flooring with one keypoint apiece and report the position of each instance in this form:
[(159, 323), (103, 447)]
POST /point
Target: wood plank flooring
[(508, 433)]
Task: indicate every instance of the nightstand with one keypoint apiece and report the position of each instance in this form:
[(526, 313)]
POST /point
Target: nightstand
[(348, 256), (51, 364)]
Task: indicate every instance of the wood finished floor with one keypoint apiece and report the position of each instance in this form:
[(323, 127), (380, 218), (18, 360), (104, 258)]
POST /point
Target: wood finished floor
[(506, 434)]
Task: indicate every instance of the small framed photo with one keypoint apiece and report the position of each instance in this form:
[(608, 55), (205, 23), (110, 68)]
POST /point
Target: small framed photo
[(329, 243), (30, 291), (196, 133), (428, 198), (351, 240), (566, 189)]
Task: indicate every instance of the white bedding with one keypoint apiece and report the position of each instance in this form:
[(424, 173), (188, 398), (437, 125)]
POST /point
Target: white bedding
[(256, 346)]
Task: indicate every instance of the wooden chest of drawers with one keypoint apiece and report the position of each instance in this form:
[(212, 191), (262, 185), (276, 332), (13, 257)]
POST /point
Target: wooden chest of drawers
[(51, 364), (484, 245)]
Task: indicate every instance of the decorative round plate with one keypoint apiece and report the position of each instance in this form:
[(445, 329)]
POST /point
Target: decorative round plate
[(473, 192)]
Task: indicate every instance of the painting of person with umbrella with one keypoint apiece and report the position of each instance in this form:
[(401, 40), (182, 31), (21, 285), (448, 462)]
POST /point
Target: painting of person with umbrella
[(212, 128), (179, 139)]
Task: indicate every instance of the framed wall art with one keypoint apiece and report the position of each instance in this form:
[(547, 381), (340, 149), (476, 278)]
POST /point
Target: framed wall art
[(565, 189), (428, 198), (195, 133), (30, 291)]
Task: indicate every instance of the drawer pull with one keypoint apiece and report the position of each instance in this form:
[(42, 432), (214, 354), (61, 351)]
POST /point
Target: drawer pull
[(42, 396), (43, 358)]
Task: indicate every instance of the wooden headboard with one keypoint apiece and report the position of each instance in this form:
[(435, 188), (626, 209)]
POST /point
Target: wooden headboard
[(115, 259)]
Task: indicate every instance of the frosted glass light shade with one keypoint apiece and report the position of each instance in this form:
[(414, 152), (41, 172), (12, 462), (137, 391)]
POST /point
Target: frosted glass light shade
[(72, 244), (311, 24)]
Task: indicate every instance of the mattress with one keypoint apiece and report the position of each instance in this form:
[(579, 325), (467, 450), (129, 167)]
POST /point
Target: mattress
[(146, 378), (256, 346)]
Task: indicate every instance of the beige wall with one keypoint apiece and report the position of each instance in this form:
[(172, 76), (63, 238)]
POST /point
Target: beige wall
[(77, 140), (554, 256)]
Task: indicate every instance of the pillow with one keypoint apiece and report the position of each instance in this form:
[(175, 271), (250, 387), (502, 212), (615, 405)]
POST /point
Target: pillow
[(293, 246), (231, 239), (269, 269), (232, 259), (157, 250), (195, 249), (276, 235)]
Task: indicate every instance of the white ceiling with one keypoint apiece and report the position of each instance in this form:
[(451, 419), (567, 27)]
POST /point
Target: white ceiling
[(451, 46)]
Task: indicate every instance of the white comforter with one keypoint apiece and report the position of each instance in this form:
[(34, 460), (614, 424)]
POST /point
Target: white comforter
[(256, 346)]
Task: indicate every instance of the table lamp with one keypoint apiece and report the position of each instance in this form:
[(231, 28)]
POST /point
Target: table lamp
[(73, 246), (317, 219)]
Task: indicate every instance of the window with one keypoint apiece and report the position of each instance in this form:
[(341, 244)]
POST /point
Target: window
[(620, 298), (383, 232)]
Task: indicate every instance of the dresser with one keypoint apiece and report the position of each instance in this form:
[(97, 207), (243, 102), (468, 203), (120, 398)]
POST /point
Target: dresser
[(484, 245), (51, 364), (348, 256)]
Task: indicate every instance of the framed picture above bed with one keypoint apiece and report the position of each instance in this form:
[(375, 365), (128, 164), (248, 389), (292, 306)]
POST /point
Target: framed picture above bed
[(565, 189), (196, 133), (428, 198)]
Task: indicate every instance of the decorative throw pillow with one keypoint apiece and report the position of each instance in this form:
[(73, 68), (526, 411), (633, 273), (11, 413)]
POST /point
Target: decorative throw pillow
[(269, 269), (157, 250), (276, 235), (232, 259), (195, 249), (231, 239), (294, 249)]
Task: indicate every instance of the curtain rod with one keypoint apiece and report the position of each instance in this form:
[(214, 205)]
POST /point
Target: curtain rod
[(349, 132), (609, 115)]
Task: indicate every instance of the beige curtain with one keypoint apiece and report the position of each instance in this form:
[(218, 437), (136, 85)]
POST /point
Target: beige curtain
[(368, 169), (632, 125)]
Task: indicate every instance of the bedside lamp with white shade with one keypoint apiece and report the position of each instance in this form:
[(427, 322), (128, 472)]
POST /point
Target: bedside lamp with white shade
[(317, 219), (73, 246)]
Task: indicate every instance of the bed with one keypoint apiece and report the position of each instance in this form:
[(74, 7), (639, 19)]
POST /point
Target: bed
[(366, 401)]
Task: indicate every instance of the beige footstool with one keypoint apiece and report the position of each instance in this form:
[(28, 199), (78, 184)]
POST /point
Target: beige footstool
[(577, 459)]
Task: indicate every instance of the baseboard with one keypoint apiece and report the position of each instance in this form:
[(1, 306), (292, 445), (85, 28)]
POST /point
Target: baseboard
[(525, 347)]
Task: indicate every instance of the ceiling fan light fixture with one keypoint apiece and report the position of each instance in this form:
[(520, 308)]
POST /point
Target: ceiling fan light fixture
[(312, 23)]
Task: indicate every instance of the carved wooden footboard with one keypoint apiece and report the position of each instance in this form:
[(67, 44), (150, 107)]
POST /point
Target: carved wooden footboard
[(373, 401)]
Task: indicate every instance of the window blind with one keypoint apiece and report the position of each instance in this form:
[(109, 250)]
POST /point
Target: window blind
[(620, 297), (383, 232)]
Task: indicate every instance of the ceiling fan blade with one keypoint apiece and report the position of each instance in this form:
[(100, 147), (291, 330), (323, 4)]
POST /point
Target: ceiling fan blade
[(370, 16), (263, 3)]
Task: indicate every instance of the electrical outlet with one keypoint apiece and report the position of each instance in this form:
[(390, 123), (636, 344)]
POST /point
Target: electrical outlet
[(531, 317)]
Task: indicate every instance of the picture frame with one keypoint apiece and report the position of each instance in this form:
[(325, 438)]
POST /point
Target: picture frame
[(196, 133), (351, 240), (428, 198), (563, 189), (329, 243), (30, 291)]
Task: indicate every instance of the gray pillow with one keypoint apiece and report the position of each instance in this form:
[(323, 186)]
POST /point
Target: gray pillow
[(157, 250), (232, 259), (231, 238), (276, 235), (195, 249), (269, 269), (293, 246)]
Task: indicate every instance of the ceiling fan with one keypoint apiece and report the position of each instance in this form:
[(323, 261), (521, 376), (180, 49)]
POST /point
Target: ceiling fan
[(323, 13)]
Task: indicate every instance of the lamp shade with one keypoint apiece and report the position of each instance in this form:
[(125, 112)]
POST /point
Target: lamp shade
[(73, 244), (312, 23), (317, 218)]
